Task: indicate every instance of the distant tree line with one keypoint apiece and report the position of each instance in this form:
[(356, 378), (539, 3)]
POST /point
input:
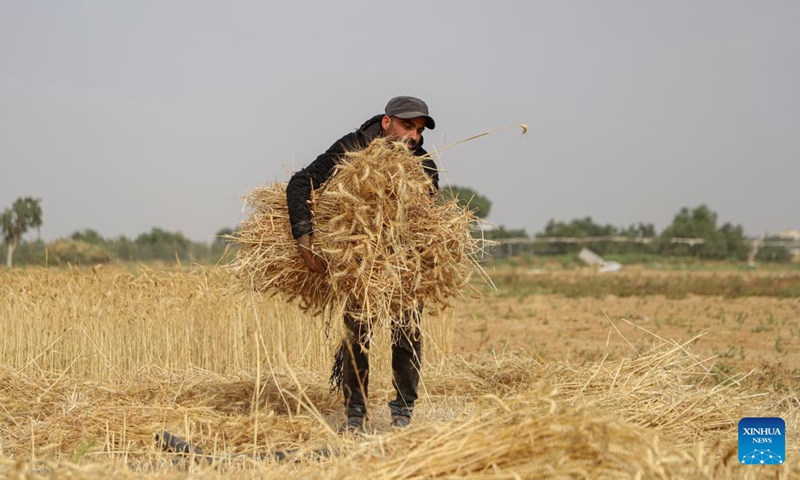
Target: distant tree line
[(679, 239), (676, 240), (88, 247), (774, 253), (725, 242)]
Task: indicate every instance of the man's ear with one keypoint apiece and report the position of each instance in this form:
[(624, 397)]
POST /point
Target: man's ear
[(385, 122)]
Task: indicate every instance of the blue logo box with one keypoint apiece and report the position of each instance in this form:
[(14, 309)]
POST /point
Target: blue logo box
[(762, 441)]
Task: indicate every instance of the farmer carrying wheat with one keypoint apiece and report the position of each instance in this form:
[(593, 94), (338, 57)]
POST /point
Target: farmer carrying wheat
[(404, 119)]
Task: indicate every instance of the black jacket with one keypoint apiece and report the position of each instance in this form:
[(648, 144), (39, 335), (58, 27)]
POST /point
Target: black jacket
[(298, 191)]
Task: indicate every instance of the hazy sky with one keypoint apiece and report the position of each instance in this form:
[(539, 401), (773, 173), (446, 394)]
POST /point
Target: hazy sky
[(122, 116)]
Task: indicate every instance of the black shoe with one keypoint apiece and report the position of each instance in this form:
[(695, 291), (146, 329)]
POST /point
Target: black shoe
[(400, 421), (353, 425)]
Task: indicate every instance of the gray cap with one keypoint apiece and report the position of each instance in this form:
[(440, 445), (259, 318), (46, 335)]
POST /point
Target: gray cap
[(409, 107)]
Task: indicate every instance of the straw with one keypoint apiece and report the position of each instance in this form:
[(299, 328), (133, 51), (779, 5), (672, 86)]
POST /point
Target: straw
[(390, 244)]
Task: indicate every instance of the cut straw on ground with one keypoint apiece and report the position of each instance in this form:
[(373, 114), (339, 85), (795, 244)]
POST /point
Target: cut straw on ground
[(505, 417)]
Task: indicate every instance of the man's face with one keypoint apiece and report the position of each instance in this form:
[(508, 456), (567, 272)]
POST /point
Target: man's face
[(408, 131)]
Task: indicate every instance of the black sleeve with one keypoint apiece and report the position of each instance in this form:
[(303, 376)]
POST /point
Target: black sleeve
[(430, 168), (298, 191), (433, 171)]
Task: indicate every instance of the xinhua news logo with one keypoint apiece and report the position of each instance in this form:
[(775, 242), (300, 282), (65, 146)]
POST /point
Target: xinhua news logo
[(762, 441)]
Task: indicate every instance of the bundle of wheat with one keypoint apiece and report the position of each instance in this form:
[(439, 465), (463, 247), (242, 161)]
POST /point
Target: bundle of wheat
[(267, 259), (389, 244)]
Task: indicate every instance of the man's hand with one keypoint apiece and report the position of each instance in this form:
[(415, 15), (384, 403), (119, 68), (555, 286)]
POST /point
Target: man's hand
[(313, 260)]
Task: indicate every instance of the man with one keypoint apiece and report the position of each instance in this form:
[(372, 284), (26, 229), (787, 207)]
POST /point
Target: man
[(404, 119)]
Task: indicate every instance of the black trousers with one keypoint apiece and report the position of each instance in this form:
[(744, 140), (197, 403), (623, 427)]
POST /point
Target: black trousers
[(406, 356)]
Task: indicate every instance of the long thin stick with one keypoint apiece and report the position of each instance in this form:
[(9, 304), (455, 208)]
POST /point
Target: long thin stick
[(523, 126)]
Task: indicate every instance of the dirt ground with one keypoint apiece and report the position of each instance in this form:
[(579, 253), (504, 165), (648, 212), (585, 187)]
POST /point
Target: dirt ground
[(760, 335)]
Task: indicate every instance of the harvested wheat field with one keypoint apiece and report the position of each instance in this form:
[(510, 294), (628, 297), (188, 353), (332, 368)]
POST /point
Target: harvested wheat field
[(94, 364)]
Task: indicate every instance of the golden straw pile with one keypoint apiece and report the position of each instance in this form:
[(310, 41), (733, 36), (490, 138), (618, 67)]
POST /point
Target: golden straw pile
[(389, 244), (506, 416)]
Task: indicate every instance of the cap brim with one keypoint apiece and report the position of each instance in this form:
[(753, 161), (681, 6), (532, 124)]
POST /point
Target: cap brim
[(429, 123)]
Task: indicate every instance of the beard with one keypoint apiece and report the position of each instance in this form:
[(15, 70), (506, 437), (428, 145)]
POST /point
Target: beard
[(393, 134)]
